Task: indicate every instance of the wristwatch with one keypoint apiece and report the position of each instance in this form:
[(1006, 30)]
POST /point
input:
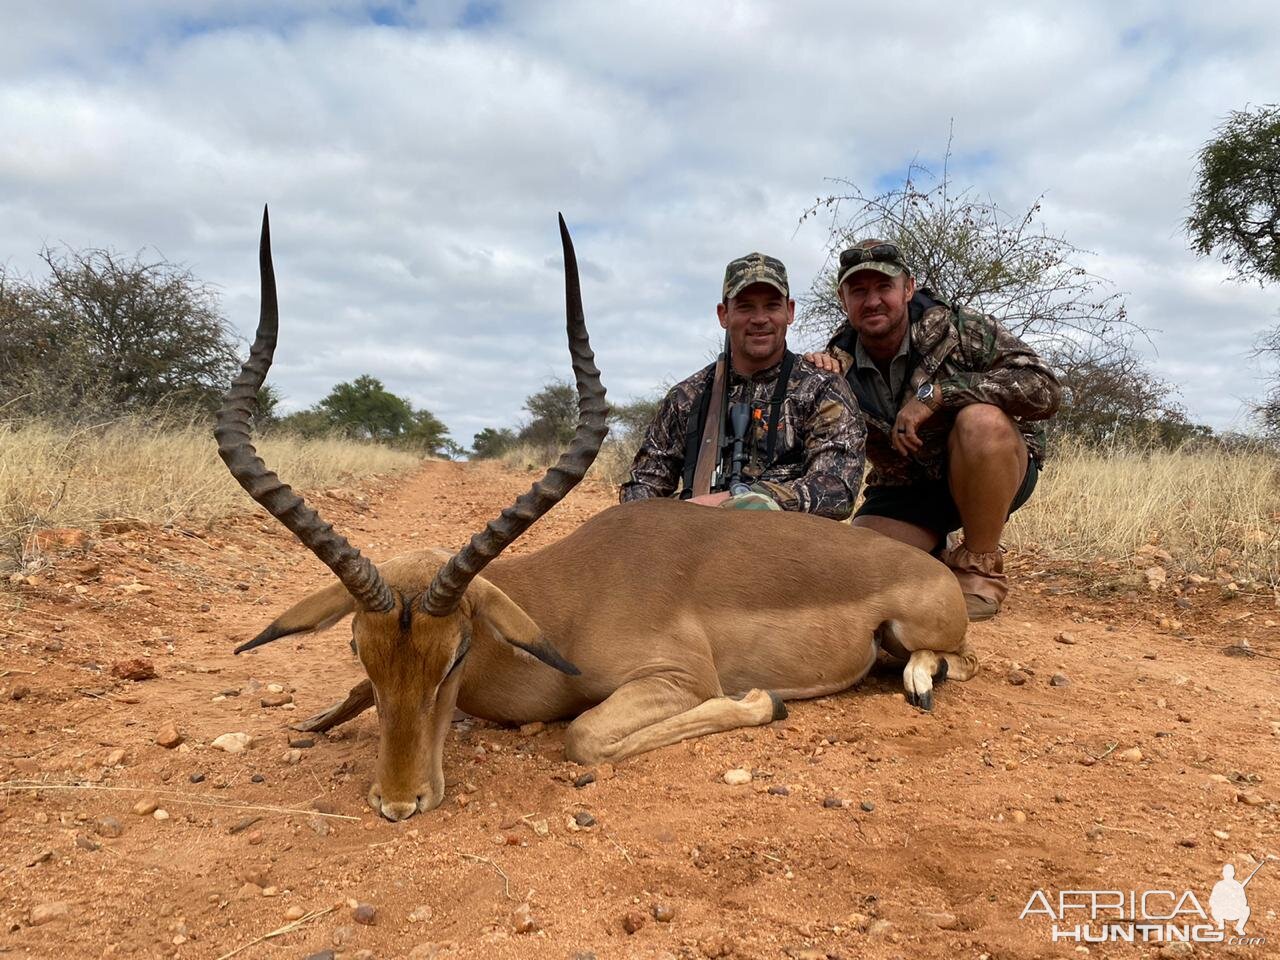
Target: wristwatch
[(929, 395)]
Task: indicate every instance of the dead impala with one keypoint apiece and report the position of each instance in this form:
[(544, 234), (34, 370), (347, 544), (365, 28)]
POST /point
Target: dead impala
[(651, 623)]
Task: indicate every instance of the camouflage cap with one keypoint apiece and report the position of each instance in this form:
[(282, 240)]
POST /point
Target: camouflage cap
[(878, 255), (754, 268)]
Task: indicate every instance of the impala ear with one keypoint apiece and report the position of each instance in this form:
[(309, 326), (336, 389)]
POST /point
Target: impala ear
[(319, 611), (509, 622)]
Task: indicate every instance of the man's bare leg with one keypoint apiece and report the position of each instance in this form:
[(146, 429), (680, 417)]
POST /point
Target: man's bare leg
[(987, 461), (921, 537)]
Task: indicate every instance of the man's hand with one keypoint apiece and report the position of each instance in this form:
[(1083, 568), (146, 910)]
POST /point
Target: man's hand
[(910, 418), (711, 499), (823, 361)]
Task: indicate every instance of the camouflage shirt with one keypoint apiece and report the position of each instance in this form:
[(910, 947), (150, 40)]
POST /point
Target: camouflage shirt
[(818, 452), (971, 358)]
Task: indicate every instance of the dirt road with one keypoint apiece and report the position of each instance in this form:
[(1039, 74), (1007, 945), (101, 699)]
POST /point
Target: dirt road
[(1108, 744)]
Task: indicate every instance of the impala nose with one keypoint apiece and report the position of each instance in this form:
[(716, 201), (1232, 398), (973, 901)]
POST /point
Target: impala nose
[(402, 810)]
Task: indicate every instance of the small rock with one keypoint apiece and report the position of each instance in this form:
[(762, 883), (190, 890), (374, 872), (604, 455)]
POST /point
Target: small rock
[(45, 912), (44, 856), (736, 777), (20, 692), (604, 772), (1132, 755), (257, 778), (323, 954), (341, 936), (115, 757), (421, 914), (302, 743), (364, 914), (293, 757), (160, 814), (168, 737), (320, 826), (584, 778), (276, 699), (196, 777), (1059, 680), (632, 921), (271, 891), (1251, 799), (274, 688), (136, 669), (1174, 950), (867, 806), (663, 912), (1018, 816), (254, 839), (108, 827), (1068, 638), (249, 891), (1017, 677), (145, 808), (834, 803), (522, 920), (1189, 842), (232, 742), (943, 921), (87, 843), (584, 819), (779, 790), (532, 729), (295, 913), (1222, 834)]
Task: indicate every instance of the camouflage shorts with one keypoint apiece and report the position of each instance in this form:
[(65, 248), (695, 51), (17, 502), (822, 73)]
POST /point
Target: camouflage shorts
[(750, 501)]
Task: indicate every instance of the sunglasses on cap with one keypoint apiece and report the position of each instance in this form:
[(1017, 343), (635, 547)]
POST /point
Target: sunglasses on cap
[(881, 252)]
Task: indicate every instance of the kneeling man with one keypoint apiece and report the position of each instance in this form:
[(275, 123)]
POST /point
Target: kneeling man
[(953, 403), (801, 443)]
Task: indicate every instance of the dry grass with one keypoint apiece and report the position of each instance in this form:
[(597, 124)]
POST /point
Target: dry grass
[(57, 477), (1193, 503), (611, 466)]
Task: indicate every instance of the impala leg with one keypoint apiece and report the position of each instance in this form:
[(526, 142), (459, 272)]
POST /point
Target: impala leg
[(653, 712), (358, 701), (924, 667)]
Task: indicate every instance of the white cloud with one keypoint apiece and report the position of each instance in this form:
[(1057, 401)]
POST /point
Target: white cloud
[(414, 171)]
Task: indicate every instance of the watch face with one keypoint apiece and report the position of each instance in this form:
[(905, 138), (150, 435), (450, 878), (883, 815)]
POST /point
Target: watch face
[(925, 393)]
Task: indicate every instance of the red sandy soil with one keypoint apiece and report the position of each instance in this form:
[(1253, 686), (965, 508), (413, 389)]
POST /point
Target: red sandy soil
[(1004, 789)]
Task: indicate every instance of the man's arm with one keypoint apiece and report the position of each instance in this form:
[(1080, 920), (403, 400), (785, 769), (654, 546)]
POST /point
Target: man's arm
[(1002, 370), (834, 445), (655, 471)]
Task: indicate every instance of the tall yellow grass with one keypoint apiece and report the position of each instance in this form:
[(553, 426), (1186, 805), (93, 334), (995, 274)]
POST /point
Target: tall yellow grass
[(58, 477), (1192, 502)]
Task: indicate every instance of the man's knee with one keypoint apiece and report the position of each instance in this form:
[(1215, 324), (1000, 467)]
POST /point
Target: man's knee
[(985, 429)]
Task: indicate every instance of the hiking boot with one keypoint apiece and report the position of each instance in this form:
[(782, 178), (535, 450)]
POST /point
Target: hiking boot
[(981, 577)]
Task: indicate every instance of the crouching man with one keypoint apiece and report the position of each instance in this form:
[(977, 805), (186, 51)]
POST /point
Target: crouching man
[(953, 404), (800, 446)]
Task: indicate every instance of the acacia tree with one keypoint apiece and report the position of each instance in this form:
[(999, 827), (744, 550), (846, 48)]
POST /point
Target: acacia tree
[(1235, 213), (978, 255), (109, 333)]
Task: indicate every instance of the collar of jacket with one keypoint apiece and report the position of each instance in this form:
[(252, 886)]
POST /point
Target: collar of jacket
[(760, 376)]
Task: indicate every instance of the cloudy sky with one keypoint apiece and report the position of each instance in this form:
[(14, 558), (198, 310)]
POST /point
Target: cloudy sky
[(415, 155)]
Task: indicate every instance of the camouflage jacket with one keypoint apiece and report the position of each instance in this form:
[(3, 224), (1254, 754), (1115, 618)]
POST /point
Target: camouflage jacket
[(818, 454), (971, 358)]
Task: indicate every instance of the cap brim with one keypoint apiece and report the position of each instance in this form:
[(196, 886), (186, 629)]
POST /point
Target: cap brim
[(888, 269), (737, 288)]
